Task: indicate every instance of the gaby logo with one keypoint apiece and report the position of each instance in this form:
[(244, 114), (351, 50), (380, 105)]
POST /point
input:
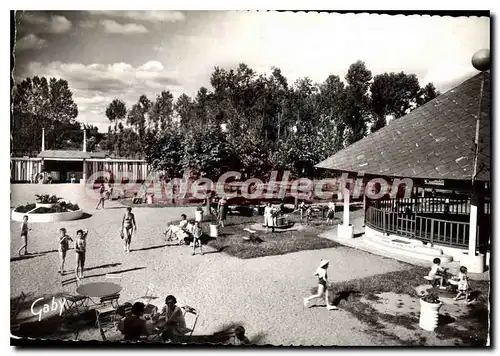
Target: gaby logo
[(39, 309)]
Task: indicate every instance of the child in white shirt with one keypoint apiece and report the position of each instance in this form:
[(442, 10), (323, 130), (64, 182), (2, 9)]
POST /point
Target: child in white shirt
[(438, 273)]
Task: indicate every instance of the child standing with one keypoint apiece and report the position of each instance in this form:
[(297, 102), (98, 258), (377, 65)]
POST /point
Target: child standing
[(24, 235), (80, 249), (197, 233), (463, 284), (64, 241), (438, 273), (102, 196), (330, 216), (322, 285)]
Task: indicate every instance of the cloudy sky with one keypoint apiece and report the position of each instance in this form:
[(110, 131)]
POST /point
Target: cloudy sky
[(112, 54)]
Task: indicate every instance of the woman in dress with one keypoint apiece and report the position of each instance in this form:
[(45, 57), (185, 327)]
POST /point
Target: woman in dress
[(128, 227), (175, 324), (269, 217), (222, 210)]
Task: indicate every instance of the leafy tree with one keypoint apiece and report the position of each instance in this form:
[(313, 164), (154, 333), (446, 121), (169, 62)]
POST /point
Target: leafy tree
[(161, 112), (357, 101), (37, 104)]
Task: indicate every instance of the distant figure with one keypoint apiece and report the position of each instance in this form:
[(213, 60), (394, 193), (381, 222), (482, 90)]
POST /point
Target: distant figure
[(268, 217), (222, 210), (463, 284), (175, 232), (102, 196), (80, 249), (128, 227), (73, 178), (322, 286), (197, 233), (64, 241), (134, 326), (303, 209), (24, 235), (330, 216)]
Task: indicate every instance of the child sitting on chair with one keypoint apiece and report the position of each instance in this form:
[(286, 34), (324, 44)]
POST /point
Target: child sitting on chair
[(438, 273), (463, 284)]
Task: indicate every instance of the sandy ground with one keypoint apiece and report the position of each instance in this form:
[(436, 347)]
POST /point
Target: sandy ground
[(263, 294)]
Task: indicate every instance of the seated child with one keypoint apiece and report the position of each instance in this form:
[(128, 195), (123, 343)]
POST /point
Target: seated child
[(463, 284), (438, 273)]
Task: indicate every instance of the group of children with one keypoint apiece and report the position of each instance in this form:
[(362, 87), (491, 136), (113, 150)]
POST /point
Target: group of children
[(64, 240), (439, 274), (185, 232)]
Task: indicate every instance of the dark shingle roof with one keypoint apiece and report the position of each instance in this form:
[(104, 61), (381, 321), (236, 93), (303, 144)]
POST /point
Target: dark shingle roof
[(64, 154), (434, 141)]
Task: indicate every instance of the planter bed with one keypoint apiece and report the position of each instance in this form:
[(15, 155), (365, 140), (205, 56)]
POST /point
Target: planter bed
[(39, 217)]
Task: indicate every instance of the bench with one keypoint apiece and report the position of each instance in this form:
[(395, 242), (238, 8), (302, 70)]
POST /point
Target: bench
[(251, 234)]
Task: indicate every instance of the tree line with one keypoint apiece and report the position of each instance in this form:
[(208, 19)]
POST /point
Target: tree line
[(255, 123)]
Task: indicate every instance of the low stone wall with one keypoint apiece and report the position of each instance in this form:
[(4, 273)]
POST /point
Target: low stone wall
[(49, 217)]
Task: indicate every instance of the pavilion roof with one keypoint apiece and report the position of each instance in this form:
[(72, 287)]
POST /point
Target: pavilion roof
[(434, 141)]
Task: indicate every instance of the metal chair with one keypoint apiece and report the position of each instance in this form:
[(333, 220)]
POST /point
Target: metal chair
[(146, 298), (192, 311), (74, 303), (106, 311)]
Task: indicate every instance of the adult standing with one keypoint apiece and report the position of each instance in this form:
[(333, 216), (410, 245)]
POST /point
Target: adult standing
[(128, 227), (222, 210), (268, 217)]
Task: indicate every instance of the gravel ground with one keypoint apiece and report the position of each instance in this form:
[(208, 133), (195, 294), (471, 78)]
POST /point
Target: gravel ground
[(263, 294)]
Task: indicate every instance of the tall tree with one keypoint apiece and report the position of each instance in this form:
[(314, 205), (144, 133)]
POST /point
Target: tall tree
[(357, 111), (37, 104)]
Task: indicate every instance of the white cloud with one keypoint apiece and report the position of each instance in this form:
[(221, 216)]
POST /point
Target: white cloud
[(45, 23), (87, 24), (148, 16), (59, 24), (111, 26), (94, 86), (30, 41)]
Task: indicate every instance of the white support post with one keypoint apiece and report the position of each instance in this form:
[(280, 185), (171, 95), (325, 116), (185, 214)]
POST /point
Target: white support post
[(475, 262), (345, 230)]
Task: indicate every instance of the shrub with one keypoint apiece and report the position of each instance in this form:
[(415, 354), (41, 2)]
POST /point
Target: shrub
[(47, 199), (432, 296), (73, 207), (25, 208)]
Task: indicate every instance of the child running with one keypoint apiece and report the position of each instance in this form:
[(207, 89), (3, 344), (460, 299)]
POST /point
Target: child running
[(24, 235), (322, 286), (64, 241), (80, 249), (197, 233)]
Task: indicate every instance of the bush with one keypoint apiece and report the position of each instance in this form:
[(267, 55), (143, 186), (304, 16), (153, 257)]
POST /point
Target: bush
[(73, 207), (25, 208), (47, 199)]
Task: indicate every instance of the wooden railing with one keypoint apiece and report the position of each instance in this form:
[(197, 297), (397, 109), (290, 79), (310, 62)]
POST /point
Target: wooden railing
[(438, 231)]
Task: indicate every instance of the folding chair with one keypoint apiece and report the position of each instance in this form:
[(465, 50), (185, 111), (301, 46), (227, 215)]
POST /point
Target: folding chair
[(190, 310), (16, 306), (74, 303), (146, 298), (117, 276)]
